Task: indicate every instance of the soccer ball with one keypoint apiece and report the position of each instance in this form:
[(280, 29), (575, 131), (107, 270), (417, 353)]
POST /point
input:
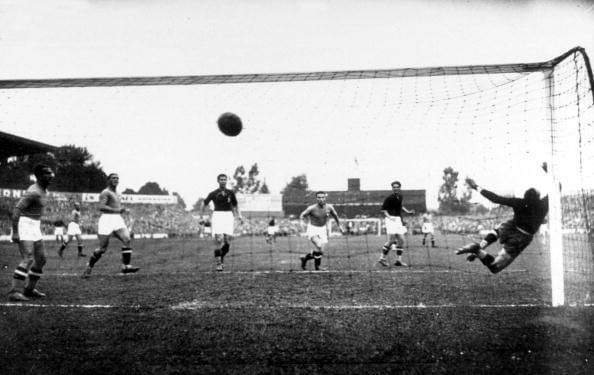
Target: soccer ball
[(229, 124)]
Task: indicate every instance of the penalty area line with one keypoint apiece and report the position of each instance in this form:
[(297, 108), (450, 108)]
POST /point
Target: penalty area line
[(197, 305), (63, 306), (272, 272)]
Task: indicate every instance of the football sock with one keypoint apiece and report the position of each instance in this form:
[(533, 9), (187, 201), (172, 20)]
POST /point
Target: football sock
[(225, 249), (80, 247), (385, 251), (317, 255), (317, 262), (398, 253), (33, 276), (94, 258), (489, 239), (126, 255), (18, 278)]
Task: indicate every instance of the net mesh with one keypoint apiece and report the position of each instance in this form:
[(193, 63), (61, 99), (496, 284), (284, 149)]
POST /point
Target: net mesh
[(495, 123)]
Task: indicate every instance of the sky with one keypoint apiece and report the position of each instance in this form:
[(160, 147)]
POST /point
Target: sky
[(330, 131)]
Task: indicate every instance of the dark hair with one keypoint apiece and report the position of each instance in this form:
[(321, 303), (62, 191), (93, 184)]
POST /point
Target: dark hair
[(40, 169), (396, 183), (532, 194), (320, 192), (221, 175), (110, 175)]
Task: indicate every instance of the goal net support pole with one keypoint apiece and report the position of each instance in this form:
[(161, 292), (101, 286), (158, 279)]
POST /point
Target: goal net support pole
[(555, 214)]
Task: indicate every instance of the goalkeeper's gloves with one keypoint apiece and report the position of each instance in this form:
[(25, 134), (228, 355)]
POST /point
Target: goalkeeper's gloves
[(470, 182)]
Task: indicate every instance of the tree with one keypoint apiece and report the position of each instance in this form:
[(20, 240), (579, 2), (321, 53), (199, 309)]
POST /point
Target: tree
[(152, 188), (264, 189), (248, 183), (297, 183), (74, 168), (129, 191), (180, 200), (449, 202), (77, 172)]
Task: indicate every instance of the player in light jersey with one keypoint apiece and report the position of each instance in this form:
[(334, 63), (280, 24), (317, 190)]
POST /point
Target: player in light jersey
[(73, 231), (392, 209), (317, 229), (26, 232), (59, 231), (111, 223), (427, 228), (271, 231), (222, 221)]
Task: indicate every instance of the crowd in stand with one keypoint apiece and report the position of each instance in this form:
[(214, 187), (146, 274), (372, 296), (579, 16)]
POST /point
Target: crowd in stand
[(173, 220)]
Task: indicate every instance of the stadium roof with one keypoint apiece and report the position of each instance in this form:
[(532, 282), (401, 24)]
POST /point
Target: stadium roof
[(12, 145)]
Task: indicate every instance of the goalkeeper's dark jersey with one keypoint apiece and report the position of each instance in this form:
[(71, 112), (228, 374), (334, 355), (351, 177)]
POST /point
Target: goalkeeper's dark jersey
[(528, 215)]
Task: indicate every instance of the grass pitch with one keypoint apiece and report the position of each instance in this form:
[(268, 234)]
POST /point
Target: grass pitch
[(264, 315)]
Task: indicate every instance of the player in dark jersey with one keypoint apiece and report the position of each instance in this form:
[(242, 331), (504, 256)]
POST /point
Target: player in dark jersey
[(515, 234), (26, 232), (225, 211), (392, 209)]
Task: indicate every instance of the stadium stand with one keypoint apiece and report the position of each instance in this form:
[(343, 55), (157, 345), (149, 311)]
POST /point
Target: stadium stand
[(13, 145)]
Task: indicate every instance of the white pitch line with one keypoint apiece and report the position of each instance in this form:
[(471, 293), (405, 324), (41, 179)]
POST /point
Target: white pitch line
[(199, 306), (195, 305), (267, 272), (66, 306)]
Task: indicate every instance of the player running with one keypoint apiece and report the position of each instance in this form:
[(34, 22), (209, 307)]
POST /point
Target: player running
[(317, 229), (427, 229), (73, 231), (515, 234), (271, 231), (26, 232), (392, 209), (222, 221), (111, 223)]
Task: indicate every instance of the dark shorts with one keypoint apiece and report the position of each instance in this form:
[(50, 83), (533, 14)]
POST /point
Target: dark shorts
[(513, 241)]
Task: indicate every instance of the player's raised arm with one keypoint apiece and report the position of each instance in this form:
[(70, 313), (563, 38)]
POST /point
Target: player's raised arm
[(489, 194)]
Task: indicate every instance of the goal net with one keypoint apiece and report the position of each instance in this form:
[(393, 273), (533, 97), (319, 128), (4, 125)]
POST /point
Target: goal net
[(495, 123)]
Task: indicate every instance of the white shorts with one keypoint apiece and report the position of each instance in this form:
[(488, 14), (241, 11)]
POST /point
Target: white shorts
[(109, 223), (74, 229), (321, 232), (427, 228), (222, 222), (272, 230), (59, 231), (394, 225), (29, 229)]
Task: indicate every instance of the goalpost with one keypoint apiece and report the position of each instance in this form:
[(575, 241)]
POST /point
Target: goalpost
[(496, 123)]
